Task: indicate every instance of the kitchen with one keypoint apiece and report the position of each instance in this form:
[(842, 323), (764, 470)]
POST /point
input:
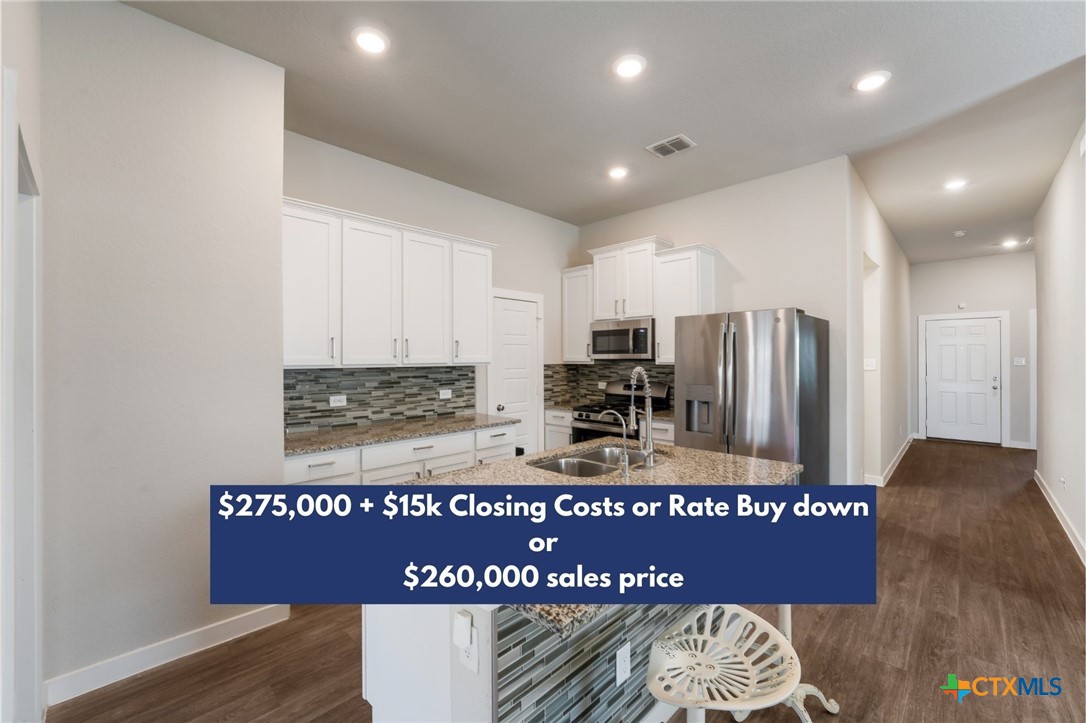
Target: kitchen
[(255, 275)]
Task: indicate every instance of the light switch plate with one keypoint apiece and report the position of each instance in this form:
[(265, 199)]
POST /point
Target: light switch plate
[(622, 664), (601, 385), (337, 400), (1019, 361), (870, 365), (444, 393)]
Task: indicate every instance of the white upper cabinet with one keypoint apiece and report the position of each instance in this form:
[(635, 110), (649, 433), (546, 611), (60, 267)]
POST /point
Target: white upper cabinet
[(427, 270), (577, 314), (472, 309), (371, 294), (358, 291), (311, 288), (622, 278), (685, 285)]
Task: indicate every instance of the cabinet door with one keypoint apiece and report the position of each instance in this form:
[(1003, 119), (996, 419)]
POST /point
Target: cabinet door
[(343, 479), (558, 437), (496, 455), (577, 315), (393, 475), (311, 293), (426, 297), (676, 295), (371, 294), (606, 272), (448, 464), (471, 307), (636, 281)]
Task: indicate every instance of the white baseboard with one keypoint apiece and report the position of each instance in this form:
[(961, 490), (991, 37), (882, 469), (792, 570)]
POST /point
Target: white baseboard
[(881, 480), (659, 713), (1012, 444), (76, 683), (1076, 541)]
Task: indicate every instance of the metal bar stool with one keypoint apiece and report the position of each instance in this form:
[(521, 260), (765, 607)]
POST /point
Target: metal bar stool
[(724, 657)]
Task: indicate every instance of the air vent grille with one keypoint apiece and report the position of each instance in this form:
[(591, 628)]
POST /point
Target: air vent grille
[(670, 146)]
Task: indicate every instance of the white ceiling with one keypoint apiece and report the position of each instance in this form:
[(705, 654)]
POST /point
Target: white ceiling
[(517, 100)]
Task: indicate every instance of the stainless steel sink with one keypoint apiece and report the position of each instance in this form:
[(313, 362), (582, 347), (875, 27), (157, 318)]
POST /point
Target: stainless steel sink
[(612, 456), (575, 467)]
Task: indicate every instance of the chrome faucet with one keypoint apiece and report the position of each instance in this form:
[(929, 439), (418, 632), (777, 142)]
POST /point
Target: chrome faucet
[(625, 451), (646, 441)]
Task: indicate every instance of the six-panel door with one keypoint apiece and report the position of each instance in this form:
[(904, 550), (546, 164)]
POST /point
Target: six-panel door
[(311, 288), (963, 380)]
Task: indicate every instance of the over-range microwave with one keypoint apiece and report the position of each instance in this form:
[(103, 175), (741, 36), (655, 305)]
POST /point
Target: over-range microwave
[(626, 339)]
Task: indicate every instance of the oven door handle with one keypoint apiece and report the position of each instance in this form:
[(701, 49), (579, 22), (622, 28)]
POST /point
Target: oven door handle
[(597, 427)]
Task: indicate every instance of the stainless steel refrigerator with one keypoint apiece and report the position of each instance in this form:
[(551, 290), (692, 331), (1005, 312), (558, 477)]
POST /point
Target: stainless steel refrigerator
[(755, 383)]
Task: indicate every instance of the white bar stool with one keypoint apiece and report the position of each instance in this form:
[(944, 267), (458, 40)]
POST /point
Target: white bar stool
[(724, 657)]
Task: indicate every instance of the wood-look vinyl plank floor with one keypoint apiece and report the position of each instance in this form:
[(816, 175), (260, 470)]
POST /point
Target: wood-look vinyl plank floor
[(976, 577)]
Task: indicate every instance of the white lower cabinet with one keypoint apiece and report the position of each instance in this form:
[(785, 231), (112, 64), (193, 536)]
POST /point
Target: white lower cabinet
[(393, 475), (344, 479), (557, 437), (662, 432), (496, 454), (448, 464)]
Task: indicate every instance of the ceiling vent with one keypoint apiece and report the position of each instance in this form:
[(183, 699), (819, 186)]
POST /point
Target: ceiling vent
[(670, 146)]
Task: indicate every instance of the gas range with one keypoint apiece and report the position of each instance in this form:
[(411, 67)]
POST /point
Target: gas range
[(588, 422)]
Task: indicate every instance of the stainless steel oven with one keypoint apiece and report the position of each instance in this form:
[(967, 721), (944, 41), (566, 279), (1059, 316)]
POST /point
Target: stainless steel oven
[(626, 339)]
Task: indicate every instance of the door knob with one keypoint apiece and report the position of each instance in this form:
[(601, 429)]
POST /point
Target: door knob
[(995, 386), (501, 407)]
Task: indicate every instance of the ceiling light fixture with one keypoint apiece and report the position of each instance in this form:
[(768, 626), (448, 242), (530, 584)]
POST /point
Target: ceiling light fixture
[(959, 234), (1010, 243), (629, 66), (617, 173), (371, 40), (871, 81), (955, 184)]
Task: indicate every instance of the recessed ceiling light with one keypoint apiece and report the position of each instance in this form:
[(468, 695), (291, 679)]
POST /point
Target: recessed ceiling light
[(371, 40), (955, 184), (1010, 243), (629, 66), (959, 234), (618, 172), (871, 81)]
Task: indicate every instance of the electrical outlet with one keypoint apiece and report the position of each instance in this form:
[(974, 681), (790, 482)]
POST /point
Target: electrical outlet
[(1019, 361), (469, 654), (444, 393), (870, 365), (337, 400), (622, 664), (601, 385)]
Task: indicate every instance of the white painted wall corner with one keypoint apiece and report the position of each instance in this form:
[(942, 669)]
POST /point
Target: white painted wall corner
[(76, 683), (881, 480), (1076, 541)]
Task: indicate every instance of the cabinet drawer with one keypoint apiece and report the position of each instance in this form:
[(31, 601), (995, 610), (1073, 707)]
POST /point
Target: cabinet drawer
[(448, 464), (486, 438), (416, 450), (663, 432), (393, 475), (310, 467), (344, 479), (496, 454), (558, 417)]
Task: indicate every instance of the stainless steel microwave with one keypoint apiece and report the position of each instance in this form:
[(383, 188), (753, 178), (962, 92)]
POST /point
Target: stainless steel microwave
[(626, 339)]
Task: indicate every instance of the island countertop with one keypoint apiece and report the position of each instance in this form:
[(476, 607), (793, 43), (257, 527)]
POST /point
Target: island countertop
[(678, 466), (362, 435)]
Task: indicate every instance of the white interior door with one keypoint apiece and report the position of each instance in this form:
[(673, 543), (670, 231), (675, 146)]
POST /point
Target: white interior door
[(513, 377), (963, 380)]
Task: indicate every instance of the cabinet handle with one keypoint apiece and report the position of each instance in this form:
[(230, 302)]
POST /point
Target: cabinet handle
[(395, 347), (497, 435), (429, 473), (588, 349), (406, 348), (418, 475), (333, 347), (616, 307), (624, 307), (321, 464), (456, 349), (659, 429), (419, 449)]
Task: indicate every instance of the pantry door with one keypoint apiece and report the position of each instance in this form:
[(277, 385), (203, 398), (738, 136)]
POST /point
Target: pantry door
[(963, 379), (514, 376)]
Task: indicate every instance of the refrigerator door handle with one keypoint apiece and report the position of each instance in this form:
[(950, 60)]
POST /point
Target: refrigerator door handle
[(729, 386), (725, 364)]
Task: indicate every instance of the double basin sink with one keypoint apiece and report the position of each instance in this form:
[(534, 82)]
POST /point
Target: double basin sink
[(592, 463)]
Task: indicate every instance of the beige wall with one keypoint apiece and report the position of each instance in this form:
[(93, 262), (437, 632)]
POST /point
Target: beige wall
[(1004, 282), (772, 257), (162, 336), (885, 315), (532, 248), (20, 23), (1061, 340)]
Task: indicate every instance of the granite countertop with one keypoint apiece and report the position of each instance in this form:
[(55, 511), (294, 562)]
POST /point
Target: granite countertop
[(678, 466), (681, 465), (362, 435)]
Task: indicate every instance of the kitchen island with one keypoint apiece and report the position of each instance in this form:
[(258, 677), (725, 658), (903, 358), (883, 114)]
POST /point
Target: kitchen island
[(535, 662)]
